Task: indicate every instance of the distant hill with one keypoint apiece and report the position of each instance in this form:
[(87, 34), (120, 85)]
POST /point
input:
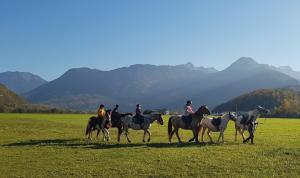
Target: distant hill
[(11, 102), (21, 82), (282, 102), (8, 99)]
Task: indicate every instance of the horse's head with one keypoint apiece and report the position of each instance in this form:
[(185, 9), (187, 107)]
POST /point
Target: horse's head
[(262, 110), (108, 114), (232, 116), (203, 110), (160, 119)]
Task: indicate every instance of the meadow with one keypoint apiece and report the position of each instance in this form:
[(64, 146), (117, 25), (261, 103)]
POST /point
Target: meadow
[(54, 145)]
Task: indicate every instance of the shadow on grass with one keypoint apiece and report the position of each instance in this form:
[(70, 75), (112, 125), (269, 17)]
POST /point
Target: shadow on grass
[(79, 143)]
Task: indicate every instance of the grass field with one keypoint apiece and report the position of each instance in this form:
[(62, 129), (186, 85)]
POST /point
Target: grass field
[(44, 145)]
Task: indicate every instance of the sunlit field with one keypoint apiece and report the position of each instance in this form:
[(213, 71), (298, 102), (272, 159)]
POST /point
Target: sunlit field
[(55, 145)]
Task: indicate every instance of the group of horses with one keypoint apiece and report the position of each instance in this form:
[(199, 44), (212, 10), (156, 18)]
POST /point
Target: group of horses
[(200, 122)]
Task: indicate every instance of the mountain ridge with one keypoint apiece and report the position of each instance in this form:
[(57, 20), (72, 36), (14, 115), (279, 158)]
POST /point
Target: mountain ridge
[(157, 86)]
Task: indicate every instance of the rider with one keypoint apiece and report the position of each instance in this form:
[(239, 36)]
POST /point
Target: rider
[(188, 110), (138, 114), (101, 115), (115, 110)]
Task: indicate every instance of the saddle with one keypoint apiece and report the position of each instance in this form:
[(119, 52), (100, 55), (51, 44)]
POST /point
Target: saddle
[(246, 120), (216, 122), (187, 119), (138, 120)]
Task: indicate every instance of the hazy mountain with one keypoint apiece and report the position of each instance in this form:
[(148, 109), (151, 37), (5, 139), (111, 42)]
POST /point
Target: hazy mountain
[(84, 88), (157, 86), (288, 71), (281, 102), (21, 82)]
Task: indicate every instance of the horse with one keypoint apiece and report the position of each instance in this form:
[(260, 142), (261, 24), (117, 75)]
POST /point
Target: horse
[(94, 123), (116, 122), (247, 121), (178, 122), (216, 125), (128, 122)]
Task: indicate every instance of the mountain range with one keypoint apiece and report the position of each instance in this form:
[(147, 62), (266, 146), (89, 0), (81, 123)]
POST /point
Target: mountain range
[(21, 82), (159, 86)]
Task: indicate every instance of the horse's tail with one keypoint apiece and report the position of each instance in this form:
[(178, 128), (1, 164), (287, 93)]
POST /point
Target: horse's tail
[(170, 126), (88, 127)]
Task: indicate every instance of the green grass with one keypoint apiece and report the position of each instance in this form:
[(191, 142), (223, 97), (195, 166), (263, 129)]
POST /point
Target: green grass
[(42, 145)]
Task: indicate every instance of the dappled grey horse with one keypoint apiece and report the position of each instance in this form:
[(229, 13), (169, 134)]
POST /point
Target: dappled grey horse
[(247, 121)]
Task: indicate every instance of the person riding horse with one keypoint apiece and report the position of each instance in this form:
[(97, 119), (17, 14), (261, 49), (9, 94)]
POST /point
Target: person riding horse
[(188, 110), (138, 118), (101, 115), (115, 110)]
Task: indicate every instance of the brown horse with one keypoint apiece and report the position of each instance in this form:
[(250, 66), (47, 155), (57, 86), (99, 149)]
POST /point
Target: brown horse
[(177, 122)]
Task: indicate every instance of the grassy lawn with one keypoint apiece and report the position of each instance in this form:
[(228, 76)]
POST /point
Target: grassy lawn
[(44, 145)]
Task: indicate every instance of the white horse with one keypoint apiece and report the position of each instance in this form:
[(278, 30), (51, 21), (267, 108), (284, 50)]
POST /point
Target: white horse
[(216, 125), (127, 122), (247, 121)]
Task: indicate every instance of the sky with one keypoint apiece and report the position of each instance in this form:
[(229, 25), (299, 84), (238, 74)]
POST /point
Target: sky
[(49, 37)]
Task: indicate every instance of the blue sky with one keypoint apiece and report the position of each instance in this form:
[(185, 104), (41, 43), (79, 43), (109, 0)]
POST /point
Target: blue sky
[(49, 37)]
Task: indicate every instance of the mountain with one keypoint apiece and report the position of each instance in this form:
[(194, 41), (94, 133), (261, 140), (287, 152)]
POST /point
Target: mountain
[(21, 82), (157, 86), (281, 102), (288, 71), (8, 99)]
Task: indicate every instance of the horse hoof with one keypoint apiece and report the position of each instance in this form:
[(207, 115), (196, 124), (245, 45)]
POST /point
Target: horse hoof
[(143, 141), (148, 140)]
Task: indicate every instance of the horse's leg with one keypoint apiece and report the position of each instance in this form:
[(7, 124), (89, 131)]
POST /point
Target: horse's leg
[(242, 133), (107, 134), (177, 134), (149, 133), (219, 136), (98, 132), (171, 135), (144, 136), (104, 134), (252, 138), (223, 136), (198, 129), (208, 133), (119, 133), (126, 133)]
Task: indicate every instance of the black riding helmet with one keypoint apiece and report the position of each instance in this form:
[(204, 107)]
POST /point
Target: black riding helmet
[(189, 102), (101, 106)]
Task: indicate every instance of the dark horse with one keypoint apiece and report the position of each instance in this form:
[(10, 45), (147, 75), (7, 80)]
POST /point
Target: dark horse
[(116, 122), (94, 123)]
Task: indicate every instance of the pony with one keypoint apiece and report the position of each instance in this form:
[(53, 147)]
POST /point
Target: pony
[(178, 122), (128, 122), (116, 122), (94, 123), (216, 125), (247, 121)]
